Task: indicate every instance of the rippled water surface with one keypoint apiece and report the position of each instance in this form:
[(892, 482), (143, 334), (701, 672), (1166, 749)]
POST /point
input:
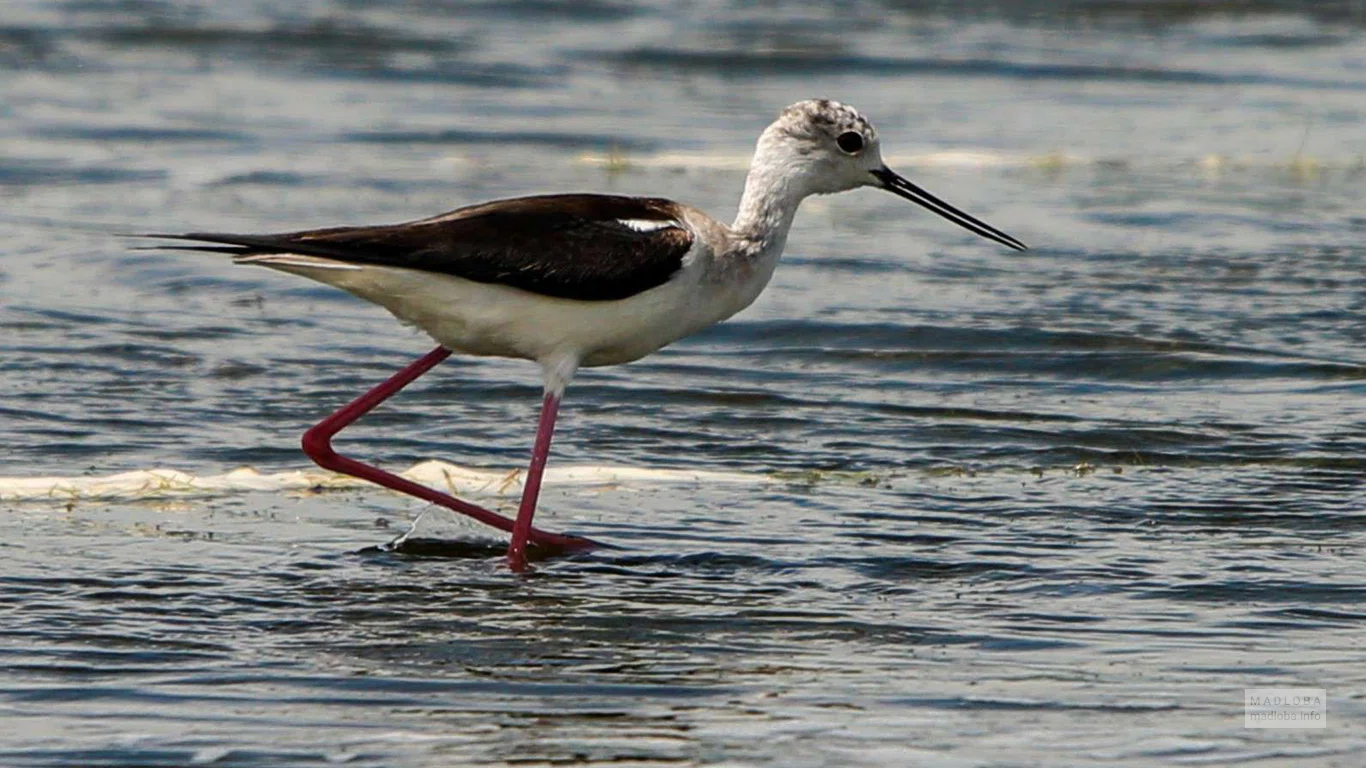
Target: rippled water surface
[(982, 508)]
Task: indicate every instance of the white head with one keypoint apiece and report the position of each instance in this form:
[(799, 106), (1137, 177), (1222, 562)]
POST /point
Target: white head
[(819, 147), (823, 146)]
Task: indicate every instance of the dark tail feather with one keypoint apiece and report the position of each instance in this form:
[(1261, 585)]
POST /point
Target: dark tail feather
[(231, 250), (238, 245), (228, 247)]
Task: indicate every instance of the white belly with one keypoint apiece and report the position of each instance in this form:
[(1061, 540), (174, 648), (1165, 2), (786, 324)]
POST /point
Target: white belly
[(486, 319)]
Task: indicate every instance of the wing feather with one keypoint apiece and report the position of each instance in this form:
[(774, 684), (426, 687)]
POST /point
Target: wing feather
[(583, 247)]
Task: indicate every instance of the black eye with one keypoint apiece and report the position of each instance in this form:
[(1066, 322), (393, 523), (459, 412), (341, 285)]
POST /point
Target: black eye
[(850, 142)]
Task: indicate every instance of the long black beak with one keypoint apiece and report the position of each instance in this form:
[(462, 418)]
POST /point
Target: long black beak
[(898, 185)]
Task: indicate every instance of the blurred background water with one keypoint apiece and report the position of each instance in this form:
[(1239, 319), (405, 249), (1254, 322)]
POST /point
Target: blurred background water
[(1051, 508)]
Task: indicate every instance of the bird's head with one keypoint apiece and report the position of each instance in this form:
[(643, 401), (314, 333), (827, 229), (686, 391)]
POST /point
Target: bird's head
[(827, 146), (821, 147)]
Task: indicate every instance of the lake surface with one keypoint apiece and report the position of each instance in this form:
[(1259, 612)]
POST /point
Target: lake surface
[(962, 506)]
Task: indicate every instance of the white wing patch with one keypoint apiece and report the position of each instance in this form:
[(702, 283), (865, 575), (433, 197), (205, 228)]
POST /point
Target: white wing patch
[(295, 260), (648, 225)]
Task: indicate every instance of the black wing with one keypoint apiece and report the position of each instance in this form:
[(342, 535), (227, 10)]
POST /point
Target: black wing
[(584, 247)]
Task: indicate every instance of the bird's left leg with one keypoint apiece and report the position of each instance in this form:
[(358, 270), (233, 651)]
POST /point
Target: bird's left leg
[(557, 370), (531, 490)]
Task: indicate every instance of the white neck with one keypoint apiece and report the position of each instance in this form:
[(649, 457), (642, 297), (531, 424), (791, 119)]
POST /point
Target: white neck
[(773, 190)]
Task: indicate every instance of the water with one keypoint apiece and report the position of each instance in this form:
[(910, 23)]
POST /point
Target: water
[(1058, 507)]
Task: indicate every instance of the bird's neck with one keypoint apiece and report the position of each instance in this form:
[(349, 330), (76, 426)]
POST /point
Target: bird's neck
[(772, 194)]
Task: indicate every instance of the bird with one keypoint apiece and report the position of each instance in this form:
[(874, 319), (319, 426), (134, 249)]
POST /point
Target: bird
[(570, 281)]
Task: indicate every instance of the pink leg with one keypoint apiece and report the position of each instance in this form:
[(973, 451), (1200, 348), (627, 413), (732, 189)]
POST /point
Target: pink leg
[(317, 443), (521, 531)]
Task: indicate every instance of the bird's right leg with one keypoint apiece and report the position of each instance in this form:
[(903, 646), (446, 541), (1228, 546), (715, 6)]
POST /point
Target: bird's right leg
[(317, 443)]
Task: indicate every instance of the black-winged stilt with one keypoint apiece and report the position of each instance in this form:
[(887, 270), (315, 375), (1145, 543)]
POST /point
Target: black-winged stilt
[(576, 280)]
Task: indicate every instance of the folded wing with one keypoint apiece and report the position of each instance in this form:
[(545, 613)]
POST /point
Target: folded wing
[(581, 247)]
